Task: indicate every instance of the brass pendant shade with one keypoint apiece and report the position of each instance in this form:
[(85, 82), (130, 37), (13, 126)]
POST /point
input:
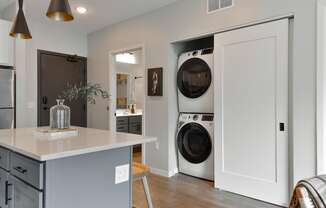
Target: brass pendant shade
[(59, 10), (20, 28)]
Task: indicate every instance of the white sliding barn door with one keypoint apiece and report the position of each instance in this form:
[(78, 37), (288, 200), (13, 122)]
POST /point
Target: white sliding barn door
[(251, 106)]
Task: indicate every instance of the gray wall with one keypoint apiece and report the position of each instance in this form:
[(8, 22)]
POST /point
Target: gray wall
[(188, 19), (9, 12)]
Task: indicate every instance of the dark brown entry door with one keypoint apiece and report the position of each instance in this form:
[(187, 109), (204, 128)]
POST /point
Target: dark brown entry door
[(55, 71)]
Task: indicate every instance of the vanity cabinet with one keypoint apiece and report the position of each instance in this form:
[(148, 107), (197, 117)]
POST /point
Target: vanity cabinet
[(123, 124), (7, 44), (130, 124)]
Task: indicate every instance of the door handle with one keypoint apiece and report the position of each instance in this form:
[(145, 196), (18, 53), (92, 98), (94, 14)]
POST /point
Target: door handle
[(282, 127), (45, 100), (7, 199)]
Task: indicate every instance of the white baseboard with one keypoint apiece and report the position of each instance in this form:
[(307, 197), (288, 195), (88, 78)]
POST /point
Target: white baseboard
[(173, 172), (163, 173)]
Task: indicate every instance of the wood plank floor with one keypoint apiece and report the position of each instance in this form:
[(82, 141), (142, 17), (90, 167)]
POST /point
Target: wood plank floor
[(182, 191)]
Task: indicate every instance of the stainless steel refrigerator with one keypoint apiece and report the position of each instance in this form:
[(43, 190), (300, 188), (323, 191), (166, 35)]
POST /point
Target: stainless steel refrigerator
[(7, 97)]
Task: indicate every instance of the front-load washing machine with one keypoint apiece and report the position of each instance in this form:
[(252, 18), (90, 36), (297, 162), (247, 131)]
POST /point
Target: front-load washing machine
[(195, 82), (195, 141)]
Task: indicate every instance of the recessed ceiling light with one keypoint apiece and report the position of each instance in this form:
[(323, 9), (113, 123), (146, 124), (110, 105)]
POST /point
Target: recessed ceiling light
[(81, 10)]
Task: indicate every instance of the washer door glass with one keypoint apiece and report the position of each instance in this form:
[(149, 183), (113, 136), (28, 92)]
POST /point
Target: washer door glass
[(194, 78), (194, 143)]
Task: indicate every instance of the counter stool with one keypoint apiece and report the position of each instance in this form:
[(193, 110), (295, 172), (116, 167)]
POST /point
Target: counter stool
[(140, 172)]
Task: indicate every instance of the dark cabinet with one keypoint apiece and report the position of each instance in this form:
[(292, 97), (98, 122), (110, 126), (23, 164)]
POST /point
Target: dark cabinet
[(123, 124), (21, 181), (130, 124), (23, 195), (3, 190)]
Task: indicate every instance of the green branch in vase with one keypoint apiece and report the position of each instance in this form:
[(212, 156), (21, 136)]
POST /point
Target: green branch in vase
[(89, 92)]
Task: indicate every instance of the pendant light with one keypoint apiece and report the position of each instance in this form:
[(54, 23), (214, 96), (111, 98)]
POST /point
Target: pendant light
[(20, 28), (59, 10)]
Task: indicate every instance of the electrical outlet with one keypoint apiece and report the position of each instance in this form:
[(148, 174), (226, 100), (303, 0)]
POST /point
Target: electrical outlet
[(157, 145), (122, 173)]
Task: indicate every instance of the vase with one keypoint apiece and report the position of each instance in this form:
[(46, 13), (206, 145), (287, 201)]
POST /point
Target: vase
[(60, 116)]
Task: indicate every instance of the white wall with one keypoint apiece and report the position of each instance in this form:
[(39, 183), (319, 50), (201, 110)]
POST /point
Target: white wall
[(321, 87), (188, 19)]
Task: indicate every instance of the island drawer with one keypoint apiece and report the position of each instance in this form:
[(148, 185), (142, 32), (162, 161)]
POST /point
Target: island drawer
[(27, 169), (4, 158)]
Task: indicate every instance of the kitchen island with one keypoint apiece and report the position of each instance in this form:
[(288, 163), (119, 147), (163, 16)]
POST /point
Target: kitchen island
[(92, 169)]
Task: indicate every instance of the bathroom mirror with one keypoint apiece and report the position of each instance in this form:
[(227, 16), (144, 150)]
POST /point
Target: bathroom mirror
[(124, 90)]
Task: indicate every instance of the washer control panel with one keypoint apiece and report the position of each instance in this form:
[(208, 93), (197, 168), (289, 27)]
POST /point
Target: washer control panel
[(196, 117)]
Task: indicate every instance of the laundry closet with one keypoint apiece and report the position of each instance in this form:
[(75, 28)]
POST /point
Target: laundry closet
[(233, 109)]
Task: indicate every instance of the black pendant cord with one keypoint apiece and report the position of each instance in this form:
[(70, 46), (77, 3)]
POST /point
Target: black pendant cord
[(20, 4)]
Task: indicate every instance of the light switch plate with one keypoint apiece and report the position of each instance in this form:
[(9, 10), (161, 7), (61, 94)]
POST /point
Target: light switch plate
[(157, 145), (122, 173)]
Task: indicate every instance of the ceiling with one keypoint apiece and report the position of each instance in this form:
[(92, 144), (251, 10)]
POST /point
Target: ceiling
[(100, 13)]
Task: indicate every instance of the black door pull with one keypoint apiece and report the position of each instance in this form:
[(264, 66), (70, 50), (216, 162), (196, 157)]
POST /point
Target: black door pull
[(44, 100), (282, 127), (7, 199)]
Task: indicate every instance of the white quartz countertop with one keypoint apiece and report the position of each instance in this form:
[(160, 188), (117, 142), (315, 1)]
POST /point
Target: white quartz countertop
[(88, 140), (126, 113), (129, 114)]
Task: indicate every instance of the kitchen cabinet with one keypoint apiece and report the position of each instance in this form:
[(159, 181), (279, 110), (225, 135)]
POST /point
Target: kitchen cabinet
[(130, 124), (23, 195), (77, 172), (7, 44), (3, 182), (21, 181)]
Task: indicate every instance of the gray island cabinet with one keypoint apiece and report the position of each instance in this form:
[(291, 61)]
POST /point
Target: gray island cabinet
[(74, 172)]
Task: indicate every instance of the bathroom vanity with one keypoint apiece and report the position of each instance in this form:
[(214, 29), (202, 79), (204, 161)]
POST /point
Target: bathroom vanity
[(92, 169), (130, 124)]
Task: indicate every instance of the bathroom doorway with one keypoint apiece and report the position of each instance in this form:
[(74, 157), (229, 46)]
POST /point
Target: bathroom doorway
[(127, 84)]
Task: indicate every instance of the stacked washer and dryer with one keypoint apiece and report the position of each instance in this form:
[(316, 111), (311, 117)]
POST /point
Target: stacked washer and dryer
[(195, 137)]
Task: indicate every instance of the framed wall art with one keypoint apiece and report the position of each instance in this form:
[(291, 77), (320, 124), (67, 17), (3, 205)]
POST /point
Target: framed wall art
[(155, 82)]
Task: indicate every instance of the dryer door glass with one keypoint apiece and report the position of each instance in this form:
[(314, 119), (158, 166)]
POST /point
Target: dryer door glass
[(194, 78), (194, 143)]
